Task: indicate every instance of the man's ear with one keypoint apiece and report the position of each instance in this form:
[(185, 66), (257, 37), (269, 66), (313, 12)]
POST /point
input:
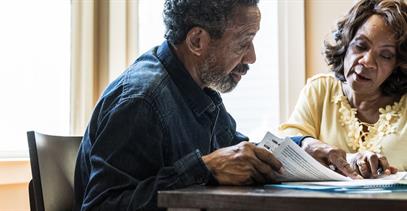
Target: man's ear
[(197, 41)]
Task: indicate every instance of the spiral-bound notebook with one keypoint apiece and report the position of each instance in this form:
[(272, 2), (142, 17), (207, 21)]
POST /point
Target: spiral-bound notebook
[(392, 183)]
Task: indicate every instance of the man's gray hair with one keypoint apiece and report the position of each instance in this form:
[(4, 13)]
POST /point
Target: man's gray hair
[(212, 15)]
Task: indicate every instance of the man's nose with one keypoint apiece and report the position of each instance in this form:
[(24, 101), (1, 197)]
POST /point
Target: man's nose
[(250, 56)]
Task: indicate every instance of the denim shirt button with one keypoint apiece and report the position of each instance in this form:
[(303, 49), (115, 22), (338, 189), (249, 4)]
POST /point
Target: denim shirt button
[(212, 108), (201, 180)]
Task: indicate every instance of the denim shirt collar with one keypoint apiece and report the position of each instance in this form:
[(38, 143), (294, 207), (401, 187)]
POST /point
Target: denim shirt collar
[(199, 100)]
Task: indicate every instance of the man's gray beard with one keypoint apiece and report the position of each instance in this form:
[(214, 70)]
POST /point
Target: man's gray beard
[(215, 78)]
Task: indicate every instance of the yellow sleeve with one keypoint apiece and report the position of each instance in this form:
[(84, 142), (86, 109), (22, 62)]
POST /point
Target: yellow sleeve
[(305, 119)]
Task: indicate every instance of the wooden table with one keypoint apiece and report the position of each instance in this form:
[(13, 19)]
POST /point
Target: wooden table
[(275, 199)]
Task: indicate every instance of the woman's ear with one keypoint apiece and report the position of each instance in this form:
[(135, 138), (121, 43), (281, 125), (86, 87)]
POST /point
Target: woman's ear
[(197, 41)]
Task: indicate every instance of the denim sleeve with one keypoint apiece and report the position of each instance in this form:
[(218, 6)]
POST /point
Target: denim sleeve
[(127, 159), (298, 139), (239, 137)]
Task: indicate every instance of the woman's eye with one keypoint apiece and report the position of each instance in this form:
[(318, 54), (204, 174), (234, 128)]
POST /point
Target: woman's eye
[(360, 47), (387, 56)]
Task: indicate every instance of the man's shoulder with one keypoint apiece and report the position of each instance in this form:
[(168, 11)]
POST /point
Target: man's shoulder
[(144, 78)]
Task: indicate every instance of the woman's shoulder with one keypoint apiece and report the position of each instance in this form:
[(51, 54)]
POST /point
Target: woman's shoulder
[(323, 78), (324, 82)]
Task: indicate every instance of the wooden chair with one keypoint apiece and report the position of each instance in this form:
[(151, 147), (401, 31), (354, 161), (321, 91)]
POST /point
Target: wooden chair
[(52, 166)]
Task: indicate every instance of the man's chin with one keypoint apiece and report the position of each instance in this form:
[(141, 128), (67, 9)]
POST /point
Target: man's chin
[(225, 88), (228, 90)]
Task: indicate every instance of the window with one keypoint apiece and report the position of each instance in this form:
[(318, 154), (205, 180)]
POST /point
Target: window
[(151, 24), (34, 71), (254, 102)]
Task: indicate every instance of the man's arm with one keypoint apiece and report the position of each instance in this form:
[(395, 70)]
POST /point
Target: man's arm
[(127, 160)]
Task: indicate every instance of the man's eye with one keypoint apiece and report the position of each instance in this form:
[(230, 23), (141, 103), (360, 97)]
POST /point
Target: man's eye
[(244, 46)]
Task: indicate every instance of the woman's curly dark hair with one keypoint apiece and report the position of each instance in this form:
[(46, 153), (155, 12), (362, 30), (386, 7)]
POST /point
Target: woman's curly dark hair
[(394, 12), (212, 15)]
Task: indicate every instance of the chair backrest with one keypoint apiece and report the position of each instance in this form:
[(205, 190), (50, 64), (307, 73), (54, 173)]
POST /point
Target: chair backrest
[(52, 166)]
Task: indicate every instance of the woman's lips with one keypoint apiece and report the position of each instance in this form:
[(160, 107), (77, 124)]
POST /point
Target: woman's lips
[(360, 77)]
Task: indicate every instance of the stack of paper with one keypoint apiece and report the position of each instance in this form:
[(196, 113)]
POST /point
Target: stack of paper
[(297, 164), (301, 171), (383, 184)]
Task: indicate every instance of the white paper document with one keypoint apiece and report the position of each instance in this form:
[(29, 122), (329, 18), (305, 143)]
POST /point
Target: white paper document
[(382, 181), (384, 184), (301, 171), (298, 165)]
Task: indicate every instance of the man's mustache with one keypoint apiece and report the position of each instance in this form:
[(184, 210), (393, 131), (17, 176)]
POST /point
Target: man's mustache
[(241, 69)]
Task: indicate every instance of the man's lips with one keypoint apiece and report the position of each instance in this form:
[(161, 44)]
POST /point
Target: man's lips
[(236, 76), (239, 71)]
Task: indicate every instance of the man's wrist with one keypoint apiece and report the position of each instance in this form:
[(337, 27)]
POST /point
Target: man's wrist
[(191, 169)]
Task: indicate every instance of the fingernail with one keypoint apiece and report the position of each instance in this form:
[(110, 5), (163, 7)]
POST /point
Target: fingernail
[(281, 170)]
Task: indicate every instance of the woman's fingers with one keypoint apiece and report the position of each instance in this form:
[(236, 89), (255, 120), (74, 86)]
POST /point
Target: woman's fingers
[(371, 165), (363, 168)]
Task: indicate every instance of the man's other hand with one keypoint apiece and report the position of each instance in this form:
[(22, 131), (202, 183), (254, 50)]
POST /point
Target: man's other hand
[(242, 164)]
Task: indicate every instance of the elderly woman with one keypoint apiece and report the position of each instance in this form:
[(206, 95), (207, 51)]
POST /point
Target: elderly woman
[(362, 107)]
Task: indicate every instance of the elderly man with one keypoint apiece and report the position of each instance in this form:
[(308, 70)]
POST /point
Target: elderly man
[(161, 124)]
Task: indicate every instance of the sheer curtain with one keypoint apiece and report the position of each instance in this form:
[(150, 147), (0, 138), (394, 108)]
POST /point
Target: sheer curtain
[(108, 36), (103, 44)]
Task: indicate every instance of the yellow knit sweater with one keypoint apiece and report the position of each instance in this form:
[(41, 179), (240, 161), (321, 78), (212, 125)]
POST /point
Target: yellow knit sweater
[(322, 111)]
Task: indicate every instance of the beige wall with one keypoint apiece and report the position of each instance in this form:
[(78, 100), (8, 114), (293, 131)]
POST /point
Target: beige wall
[(320, 18), (14, 178), (14, 197)]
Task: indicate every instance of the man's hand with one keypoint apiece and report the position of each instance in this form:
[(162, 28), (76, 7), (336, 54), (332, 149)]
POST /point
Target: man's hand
[(370, 164), (329, 155), (242, 164)]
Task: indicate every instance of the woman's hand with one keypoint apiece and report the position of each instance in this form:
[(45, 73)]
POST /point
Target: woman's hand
[(369, 164), (329, 155)]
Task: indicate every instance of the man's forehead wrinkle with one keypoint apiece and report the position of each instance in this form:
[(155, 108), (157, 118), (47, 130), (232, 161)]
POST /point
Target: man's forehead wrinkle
[(244, 30), (246, 24), (244, 15)]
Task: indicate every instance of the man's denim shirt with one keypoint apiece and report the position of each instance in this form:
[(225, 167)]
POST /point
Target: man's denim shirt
[(147, 133)]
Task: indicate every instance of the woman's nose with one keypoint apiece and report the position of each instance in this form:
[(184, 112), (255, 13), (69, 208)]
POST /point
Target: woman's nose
[(368, 59)]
